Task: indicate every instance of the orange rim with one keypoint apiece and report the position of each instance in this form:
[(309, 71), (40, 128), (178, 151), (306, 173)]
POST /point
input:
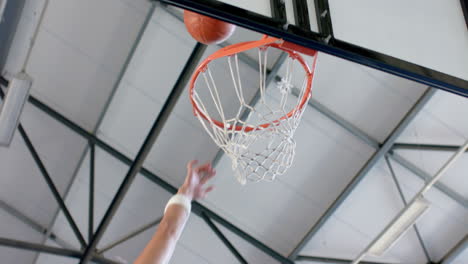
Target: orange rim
[(243, 46)]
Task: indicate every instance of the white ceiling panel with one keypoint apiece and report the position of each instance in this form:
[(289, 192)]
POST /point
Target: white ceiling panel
[(441, 121), (160, 56), (105, 37), (327, 157), (12, 228), (86, 60), (67, 80), (414, 31)]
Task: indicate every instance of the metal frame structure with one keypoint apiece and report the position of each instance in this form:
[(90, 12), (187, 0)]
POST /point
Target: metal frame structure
[(300, 34)]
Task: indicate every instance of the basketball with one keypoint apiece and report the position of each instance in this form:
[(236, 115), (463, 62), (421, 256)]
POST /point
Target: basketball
[(207, 30)]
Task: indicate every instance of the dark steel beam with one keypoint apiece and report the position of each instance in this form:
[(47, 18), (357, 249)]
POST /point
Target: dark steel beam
[(386, 146), (278, 10), (301, 14), (223, 238), (197, 208), (434, 147), (324, 22), (130, 235), (460, 247), (464, 6), (405, 203), (344, 50), (145, 148), (12, 243), (49, 181), (91, 191), (322, 260), (4, 81)]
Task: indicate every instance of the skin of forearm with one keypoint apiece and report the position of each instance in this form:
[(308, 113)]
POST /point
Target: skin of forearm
[(159, 250)]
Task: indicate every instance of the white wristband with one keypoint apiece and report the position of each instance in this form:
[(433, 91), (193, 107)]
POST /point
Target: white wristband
[(182, 200)]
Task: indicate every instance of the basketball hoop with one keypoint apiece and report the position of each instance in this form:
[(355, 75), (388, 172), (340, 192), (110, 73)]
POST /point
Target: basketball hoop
[(259, 137)]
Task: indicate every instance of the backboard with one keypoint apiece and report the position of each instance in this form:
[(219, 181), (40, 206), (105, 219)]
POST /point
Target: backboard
[(412, 40)]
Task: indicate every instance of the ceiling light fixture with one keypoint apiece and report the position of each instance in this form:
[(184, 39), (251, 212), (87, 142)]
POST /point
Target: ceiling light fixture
[(12, 106), (396, 230)]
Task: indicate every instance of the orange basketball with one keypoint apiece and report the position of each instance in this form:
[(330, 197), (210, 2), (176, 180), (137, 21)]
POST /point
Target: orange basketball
[(207, 30)]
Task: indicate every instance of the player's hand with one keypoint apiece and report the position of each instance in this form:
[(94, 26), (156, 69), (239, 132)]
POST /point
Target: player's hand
[(197, 176)]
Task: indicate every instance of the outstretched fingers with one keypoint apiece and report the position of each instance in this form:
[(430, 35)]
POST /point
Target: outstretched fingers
[(206, 191), (208, 175)]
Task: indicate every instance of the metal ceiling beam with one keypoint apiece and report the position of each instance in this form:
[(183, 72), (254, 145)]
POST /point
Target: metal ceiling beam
[(130, 235), (338, 48), (224, 239), (12, 243), (91, 191), (146, 147), (386, 146), (301, 14), (434, 147), (460, 247), (426, 177)]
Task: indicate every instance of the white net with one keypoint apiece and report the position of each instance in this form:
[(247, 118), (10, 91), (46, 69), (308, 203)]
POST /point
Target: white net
[(255, 131)]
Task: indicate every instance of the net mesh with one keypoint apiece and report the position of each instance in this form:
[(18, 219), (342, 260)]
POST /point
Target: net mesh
[(258, 135)]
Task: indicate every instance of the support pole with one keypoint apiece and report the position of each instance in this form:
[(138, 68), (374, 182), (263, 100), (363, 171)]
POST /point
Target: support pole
[(130, 235), (91, 191), (12, 243)]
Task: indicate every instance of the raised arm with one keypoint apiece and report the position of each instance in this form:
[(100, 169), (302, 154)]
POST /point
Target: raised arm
[(161, 246)]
